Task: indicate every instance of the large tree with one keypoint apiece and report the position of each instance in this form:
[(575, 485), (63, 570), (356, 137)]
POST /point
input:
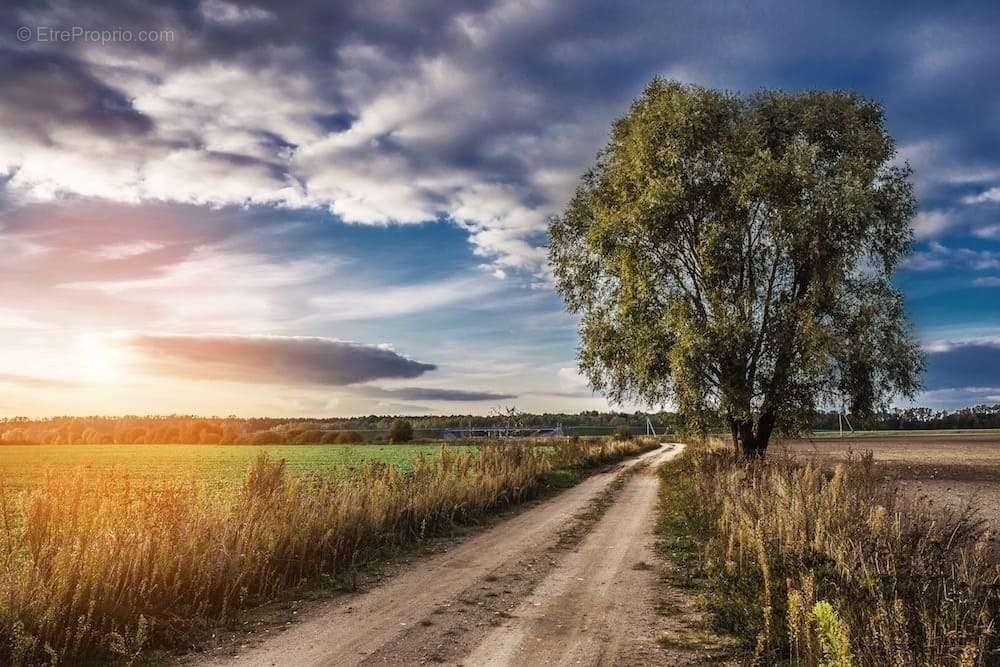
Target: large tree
[(733, 255)]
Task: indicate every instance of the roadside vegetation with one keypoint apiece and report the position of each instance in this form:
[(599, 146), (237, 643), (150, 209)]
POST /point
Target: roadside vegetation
[(95, 567), (812, 566)]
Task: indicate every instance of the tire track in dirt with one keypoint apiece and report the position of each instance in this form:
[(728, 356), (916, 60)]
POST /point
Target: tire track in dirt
[(446, 605)]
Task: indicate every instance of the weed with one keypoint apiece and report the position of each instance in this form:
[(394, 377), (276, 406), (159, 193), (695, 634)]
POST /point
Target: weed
[(830, 567)]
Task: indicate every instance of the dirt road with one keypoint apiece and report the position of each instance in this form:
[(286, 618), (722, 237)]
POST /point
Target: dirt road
[(567, 582)]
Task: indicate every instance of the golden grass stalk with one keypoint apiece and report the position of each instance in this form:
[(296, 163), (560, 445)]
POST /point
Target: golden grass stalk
[(905, 584), (95, 566)]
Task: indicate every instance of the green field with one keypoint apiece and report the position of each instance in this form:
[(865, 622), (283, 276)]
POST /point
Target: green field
[(217, 467)]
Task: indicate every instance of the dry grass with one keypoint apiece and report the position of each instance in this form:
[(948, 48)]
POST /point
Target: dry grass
[(835, 568), (93, 567)]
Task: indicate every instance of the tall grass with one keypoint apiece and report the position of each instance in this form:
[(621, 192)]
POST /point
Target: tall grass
[(94, 566), (818, 567)]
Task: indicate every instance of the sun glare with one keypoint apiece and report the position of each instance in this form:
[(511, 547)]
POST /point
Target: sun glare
[(102, 361)]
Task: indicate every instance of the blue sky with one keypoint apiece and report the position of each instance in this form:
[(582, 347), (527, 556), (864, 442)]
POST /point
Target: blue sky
[(201, 203)]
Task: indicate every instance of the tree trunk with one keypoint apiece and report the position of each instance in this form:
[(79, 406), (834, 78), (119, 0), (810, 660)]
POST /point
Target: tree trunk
[(734, 429), (765, 426), (753, 438)]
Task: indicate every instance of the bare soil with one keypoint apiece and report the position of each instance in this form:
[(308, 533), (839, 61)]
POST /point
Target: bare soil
[(573, 580), (953, 471)]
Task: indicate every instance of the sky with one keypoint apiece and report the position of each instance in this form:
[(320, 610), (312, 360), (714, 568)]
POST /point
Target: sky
[(339, 208)]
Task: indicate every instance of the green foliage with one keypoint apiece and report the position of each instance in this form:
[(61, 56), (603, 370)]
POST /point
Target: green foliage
[(220, 468), (130, 644), (734, 255), (400, 431), (834, 640), (186, 429)]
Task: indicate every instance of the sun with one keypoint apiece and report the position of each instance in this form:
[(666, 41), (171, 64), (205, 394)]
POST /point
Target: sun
[(102, 361)]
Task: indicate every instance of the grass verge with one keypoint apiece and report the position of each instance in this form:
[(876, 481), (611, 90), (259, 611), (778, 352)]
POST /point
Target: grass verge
[(94, 568), (808, 566)]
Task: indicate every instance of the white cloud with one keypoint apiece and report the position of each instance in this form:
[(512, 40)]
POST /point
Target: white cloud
[(16, 248), (928, 224), (378, 302), (988, 196), (570, 378), (228, 13), (940, 256), (431, 137), (125, 250), (211, 267), (15, 319), (987, 281), (221, 288), (988, 232)]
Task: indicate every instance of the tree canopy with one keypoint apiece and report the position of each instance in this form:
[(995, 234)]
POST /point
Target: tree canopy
[(733, 254)]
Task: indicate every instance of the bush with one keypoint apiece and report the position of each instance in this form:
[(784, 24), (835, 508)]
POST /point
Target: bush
[(400, 431), (623, 433)]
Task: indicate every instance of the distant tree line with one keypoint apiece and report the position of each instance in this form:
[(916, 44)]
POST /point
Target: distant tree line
[(914, 419), (232, 430)]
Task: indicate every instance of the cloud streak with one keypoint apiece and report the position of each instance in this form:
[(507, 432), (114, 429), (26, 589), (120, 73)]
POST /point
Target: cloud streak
[(435, 394), (34, 382), (392, 301), (288, 360)]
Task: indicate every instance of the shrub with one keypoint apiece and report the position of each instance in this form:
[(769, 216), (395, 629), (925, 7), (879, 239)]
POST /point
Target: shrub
[(623, 433), (400, 431), (350, 437)]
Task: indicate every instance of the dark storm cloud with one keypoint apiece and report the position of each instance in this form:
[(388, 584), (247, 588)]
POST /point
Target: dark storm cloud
[(959, 365), (292, 360), (434, 394), (44, 92)]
